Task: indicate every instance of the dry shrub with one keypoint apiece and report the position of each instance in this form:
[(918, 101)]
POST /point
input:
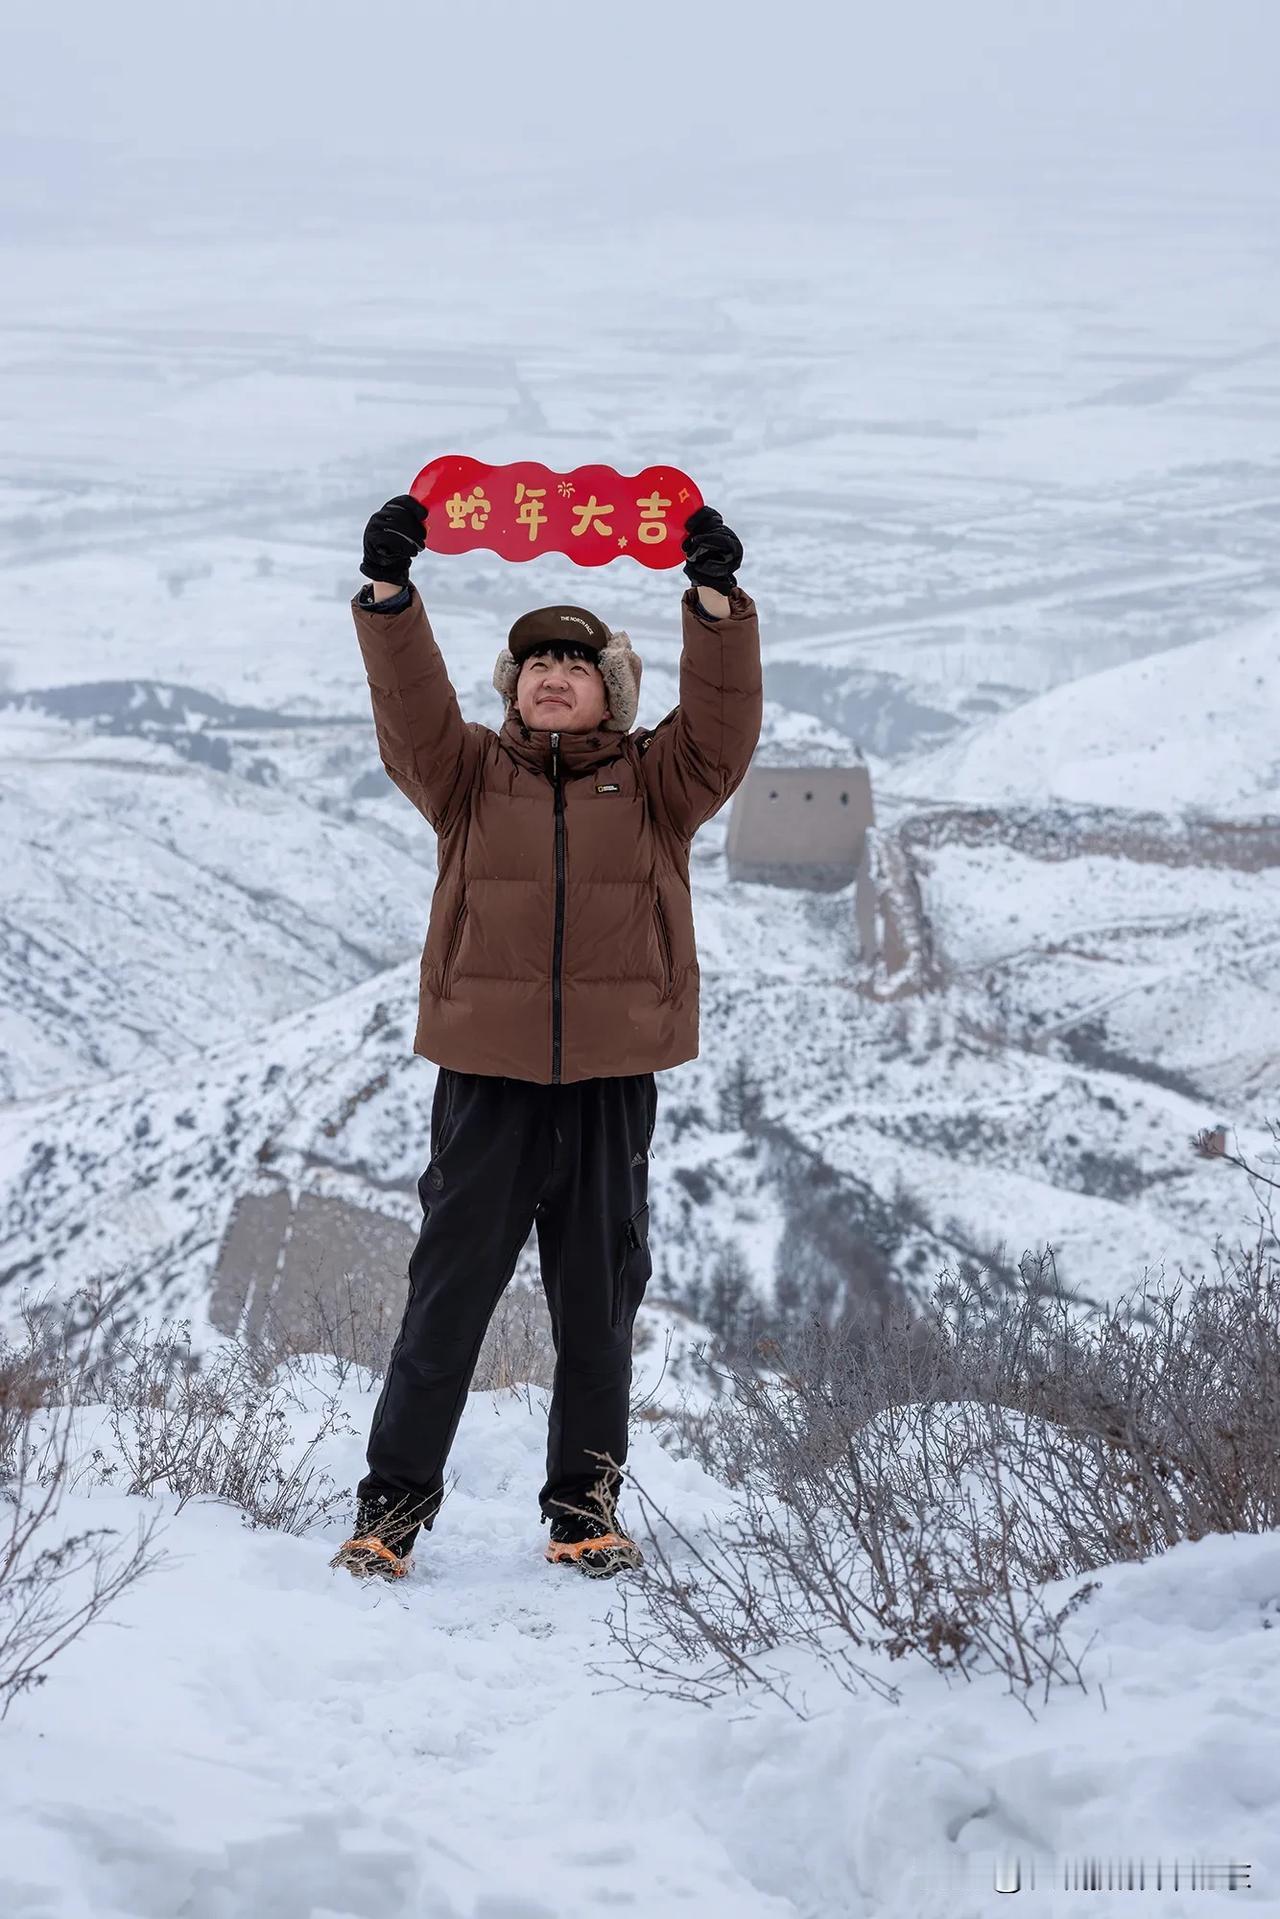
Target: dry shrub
[(517, 1353), (217, 1425), (213, 1426), (29, 1384), (347, 1328), (910, 1483), (343, 1328), (52, 1584)]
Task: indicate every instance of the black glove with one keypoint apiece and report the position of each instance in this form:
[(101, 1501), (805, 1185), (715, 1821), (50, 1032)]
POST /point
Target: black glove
[(714, 551), (393, 539)]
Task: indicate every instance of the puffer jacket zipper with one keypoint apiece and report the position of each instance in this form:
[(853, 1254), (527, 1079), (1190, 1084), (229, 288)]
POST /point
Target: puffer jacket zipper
[(557, 955)]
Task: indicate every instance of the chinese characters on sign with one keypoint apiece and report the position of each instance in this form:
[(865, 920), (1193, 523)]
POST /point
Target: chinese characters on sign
[(474, 511), (530, 511), (592, 514), (653, 519)]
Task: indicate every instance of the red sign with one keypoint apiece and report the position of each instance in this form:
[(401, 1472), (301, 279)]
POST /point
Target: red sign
[(593, 514)]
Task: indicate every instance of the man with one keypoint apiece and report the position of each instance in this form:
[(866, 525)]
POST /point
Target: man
[(559, 975)]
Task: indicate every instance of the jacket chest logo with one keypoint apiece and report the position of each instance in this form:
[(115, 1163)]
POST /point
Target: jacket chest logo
[(608, 789)]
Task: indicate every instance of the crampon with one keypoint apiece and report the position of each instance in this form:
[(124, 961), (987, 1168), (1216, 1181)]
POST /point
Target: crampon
[(369, 1558), (592, 1546)]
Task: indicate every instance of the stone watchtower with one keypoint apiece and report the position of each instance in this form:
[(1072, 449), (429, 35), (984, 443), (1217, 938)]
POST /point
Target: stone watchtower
[(800, 825)]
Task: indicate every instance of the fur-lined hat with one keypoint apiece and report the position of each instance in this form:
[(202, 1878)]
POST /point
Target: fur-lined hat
[(582, 636)]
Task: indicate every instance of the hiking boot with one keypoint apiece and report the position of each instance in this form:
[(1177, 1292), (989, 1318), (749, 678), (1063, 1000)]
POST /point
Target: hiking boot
[(371, 1558), (381, 1545), (597, 1547)]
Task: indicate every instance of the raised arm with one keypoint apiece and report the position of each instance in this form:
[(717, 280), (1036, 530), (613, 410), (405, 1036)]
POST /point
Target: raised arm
[(427, 747), (697, 758), (425, 743), (699, 754)]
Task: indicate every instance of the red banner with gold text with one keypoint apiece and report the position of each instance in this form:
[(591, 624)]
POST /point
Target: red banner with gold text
[(593, 514)]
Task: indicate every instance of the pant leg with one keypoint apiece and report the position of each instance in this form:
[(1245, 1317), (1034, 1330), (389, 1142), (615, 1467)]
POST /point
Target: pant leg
[(490, 1157), (593, 1241)]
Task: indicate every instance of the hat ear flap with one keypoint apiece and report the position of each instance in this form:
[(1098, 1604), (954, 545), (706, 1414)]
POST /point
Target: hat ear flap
[(506, 675), (620, 669)]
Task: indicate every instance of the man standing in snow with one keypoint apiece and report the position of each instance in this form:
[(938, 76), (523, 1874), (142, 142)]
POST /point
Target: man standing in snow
[(559, 975)]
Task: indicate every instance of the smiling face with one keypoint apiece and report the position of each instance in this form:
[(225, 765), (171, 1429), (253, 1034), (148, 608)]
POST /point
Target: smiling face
[(564, 695)]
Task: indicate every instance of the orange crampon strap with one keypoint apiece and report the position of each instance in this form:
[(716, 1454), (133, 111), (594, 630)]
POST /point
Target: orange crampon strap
[(376, 1546), (574, 1548)]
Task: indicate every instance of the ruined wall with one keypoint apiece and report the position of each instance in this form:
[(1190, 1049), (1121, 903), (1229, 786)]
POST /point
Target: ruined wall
[(903, 958), (800, 826), (292, 1272)]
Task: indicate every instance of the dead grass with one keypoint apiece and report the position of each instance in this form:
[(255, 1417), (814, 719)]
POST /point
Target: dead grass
[(913, 1483), (54, 1584)]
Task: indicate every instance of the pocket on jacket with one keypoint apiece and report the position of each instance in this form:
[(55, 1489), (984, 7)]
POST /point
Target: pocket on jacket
[(664, 949), (446, 977), (633, 1266)]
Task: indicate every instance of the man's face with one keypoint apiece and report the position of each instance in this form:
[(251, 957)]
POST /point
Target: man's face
[(560, 696)]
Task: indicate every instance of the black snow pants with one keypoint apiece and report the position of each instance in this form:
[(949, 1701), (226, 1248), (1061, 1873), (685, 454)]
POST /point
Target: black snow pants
[(508, 1155)]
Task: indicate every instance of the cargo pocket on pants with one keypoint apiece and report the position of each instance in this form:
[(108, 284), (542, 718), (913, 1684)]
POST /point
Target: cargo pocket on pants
[(633, 1267)]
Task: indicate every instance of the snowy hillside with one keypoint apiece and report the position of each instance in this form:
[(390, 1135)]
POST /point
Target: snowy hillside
[(948, 1136), (1159, 971), (240, 892), (154, 906), (257, 924), (258, 1735), (1195, 727)]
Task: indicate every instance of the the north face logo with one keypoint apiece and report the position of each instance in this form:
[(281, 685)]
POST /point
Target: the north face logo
[(574, 619)]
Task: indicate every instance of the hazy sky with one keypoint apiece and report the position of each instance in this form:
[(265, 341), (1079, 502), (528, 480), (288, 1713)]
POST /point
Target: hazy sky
[(552, 80)]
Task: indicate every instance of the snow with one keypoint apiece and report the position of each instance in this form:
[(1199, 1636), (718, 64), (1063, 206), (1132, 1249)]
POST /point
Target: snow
[(152, 907), (1195, 726), (1181, 965), (1004, 462), (256, 1734), (1002, 1140)]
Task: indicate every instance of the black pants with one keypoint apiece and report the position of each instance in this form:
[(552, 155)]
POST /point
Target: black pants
[(507, 1155)]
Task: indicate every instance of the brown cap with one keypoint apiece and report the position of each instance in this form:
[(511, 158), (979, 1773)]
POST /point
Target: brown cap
[(573, 626), (556, 626)]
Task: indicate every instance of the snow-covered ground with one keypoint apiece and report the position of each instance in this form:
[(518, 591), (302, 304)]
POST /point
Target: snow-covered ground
[(255, 1735)]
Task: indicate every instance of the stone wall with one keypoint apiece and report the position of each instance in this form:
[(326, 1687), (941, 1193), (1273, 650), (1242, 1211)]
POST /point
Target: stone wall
[(297, 1273), (800, 826), (897, 942)]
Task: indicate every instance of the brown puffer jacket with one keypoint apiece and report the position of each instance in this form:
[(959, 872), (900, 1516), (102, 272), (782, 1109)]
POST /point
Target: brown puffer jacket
[(560, 945)]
